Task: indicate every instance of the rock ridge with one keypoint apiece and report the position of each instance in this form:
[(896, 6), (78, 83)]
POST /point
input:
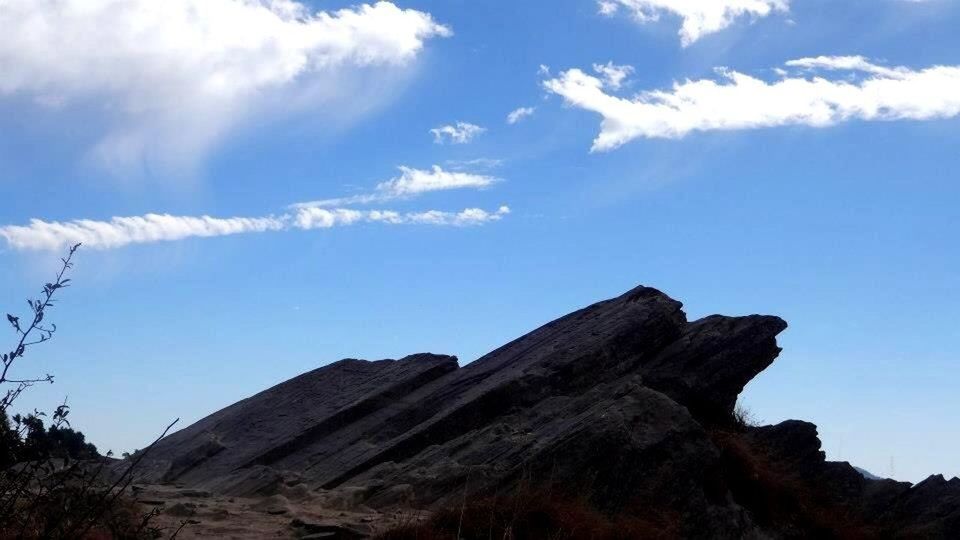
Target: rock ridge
[(624, 401)]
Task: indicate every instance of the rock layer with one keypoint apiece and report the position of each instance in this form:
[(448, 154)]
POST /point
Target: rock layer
[(623, 401)]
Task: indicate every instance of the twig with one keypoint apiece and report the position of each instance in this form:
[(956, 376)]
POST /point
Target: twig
[(39, 308), (123, 481), (183, 523)]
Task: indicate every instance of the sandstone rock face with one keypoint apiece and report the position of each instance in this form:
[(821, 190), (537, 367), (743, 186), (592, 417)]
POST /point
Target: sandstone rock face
[(621, 401)]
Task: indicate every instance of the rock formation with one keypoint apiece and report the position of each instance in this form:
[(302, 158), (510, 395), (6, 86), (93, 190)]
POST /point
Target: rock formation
[(624, 400)]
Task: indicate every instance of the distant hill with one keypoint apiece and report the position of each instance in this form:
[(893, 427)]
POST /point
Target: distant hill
[(867, 474)]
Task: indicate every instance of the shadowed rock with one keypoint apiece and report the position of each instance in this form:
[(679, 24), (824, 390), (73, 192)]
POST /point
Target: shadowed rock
[(623, 403), (715, 357), (282, 421)]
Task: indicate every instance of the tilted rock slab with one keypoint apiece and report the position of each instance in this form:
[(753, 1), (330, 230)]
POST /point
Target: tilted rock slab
[(614, 400)]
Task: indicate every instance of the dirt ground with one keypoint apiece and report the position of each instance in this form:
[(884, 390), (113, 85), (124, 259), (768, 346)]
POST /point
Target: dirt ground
[(294, 515)]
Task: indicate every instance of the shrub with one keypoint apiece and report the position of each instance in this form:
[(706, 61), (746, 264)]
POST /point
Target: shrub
[(53, 483)]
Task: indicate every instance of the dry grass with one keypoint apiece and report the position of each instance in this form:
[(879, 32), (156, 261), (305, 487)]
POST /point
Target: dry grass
[(535, 514), (781, 499), (778, 499), (74, 514)]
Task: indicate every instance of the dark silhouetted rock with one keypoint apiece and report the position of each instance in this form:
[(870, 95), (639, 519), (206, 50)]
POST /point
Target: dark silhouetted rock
[(715, 357), (623, 403)]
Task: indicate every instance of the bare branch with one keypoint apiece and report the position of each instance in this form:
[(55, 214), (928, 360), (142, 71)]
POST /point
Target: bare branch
[(38, 307)]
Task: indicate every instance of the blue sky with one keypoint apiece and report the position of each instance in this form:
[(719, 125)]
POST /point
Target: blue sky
[(793, 158)]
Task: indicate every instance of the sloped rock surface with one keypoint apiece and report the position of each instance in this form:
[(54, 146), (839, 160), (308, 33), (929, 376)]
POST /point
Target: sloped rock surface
[(278, 422), (619, 402)]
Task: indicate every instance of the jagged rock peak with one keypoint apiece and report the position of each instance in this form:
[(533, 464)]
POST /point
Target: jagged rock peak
[(623, 402), (340, 420)]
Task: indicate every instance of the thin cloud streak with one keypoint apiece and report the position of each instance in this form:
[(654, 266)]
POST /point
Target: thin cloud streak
[(118, 232), (410, 183), (122, 231), (323, 218), (324, 214)]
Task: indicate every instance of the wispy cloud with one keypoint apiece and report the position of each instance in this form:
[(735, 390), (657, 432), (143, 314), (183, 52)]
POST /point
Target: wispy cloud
[(410, 183), (847, 63), (321, 214), (320, 218), (416, 181), (171, 78), (612, 74), (122, 231), (519, 114), (476, 163), (459, 133), (736, 101), (699, 17)]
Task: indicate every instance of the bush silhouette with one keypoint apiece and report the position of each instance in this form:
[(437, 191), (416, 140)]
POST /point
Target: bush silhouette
[(53, 483)]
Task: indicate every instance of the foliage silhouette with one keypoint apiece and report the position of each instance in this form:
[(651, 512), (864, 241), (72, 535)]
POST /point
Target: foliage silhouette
[(53, 483)]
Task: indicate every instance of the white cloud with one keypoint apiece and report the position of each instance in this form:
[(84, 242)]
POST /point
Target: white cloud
[(170, 78), (123, 231), (461, 133), (738, 101), (476, 163), (607, 7), (410, 183), (699, 17), (519, 114), (325, 218), (847, 63), (470, 216), (417, 181), (613, 75), (321, 218)]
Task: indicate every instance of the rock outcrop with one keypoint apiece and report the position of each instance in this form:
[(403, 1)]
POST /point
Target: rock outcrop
[(624, 401)]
